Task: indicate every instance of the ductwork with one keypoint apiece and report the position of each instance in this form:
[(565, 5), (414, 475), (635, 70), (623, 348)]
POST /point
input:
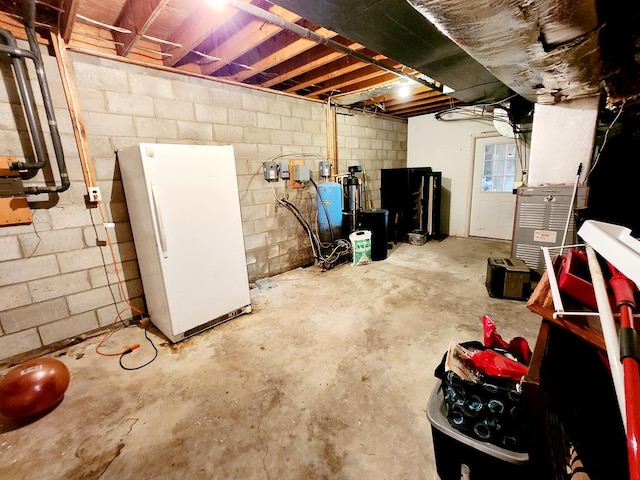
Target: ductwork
[(546, 51), (398, 31)]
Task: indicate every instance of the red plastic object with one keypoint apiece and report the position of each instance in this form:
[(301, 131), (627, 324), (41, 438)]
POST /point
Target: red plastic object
[(32, 387), (624, 291), (631, 372), (518, 346), (494, 364), (575, 280), (492, 338)]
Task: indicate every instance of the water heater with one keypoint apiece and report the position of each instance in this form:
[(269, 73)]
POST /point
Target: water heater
[(329, 201)]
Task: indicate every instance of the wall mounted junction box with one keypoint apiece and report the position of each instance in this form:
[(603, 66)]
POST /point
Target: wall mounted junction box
[(270, 170), (292, 169), (301, 173), (284, 170)]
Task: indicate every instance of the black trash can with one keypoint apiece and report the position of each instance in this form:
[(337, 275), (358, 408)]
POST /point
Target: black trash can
[(456, 452), (377, 222)]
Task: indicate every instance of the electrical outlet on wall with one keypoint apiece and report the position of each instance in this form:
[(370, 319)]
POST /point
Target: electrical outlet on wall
[(94, 194)]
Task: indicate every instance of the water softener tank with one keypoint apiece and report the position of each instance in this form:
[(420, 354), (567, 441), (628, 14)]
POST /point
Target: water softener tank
[(352, 193), (329, 200)]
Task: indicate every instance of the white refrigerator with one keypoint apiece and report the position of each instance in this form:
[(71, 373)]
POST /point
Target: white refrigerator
[(185, 217)]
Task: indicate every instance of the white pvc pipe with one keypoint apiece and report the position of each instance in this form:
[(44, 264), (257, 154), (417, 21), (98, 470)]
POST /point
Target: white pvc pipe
[(609, 331)]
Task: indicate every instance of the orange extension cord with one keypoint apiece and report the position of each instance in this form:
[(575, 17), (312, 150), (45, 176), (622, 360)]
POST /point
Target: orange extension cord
[(144, 317)]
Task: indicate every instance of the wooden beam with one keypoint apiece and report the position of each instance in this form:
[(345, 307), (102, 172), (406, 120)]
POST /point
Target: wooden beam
[(136, 16), (68, 18), (393, 99), (422, 109), (333, 70), (279, 52), (196, 28), (412, 102), (305, 63), (252, 34), (362, 78), (71, 95)]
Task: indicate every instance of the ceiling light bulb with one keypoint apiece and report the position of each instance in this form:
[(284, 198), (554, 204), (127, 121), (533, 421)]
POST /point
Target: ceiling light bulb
[(218, 4), (404, 91)]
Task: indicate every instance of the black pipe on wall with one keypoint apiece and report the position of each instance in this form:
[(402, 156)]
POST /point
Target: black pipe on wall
[(11, 48), (16, 54)]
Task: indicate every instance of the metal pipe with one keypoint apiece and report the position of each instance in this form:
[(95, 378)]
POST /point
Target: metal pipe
[(306, 33), (49, 109), (16, 54), (11, 48)]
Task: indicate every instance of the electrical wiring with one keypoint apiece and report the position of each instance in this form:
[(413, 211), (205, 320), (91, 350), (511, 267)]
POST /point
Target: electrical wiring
[(155, 354), (283, 201), (367, 111), (132, 308), (327, 254), (293, 154), (604, 141), (338, 249), (468, 112)]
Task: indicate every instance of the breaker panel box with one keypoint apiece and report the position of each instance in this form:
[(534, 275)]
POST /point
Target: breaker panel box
[(541, 217)]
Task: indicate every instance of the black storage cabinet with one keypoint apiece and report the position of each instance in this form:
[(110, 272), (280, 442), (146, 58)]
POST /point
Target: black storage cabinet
[(412, 198)]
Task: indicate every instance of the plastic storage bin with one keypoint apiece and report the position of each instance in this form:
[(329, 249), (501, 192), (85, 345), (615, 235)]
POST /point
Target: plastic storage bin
[(453, 450)]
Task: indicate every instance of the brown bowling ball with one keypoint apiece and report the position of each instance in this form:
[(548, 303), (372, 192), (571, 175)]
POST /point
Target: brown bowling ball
[(32, 387)]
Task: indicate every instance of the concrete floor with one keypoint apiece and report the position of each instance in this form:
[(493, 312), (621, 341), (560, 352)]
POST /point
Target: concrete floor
[(327, 378)]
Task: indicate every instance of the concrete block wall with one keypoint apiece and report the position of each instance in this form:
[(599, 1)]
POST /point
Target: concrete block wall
[(57, 278)]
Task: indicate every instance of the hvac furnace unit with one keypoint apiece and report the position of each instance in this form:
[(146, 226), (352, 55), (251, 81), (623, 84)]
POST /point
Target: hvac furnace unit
[(184, 210), (541, 217)]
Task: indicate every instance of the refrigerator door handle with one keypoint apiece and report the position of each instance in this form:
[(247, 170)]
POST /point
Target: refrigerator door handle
[(159, 223)]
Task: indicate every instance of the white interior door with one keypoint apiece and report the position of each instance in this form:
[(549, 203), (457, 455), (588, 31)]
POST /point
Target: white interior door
[(493, 203)]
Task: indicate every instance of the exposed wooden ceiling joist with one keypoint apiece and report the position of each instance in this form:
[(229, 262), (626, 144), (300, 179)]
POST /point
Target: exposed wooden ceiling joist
[(254, 45), (281, 50), (68, 17), (136, 18), (250, 36), (195, 29), (355, 81), (333, 70), (297, 66)]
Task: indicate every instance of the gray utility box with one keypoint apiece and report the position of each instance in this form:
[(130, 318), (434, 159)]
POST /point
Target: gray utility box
[(541, 217)]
